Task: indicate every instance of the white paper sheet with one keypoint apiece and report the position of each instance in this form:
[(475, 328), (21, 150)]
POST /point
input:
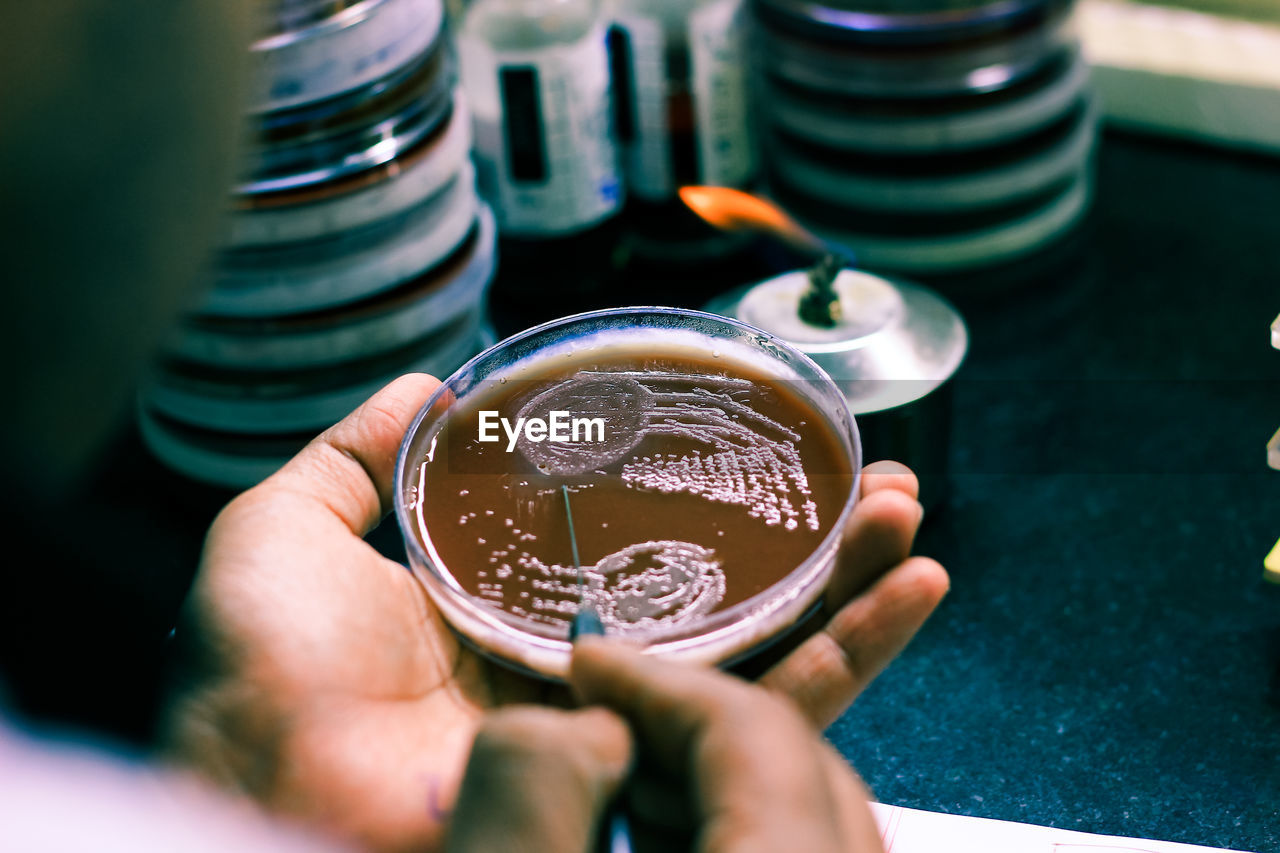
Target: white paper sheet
[(912, 831)]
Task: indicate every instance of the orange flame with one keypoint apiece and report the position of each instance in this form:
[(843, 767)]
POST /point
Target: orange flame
[(733, 210)]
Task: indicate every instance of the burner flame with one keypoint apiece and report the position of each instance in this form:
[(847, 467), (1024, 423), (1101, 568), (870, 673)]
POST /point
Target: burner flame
[(734, 210)]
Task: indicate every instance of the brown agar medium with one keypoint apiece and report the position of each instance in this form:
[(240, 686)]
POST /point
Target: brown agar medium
[(706, 506)]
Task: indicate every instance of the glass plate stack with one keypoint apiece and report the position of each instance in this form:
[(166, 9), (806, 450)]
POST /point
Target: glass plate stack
[(357, 250), (927, 136)]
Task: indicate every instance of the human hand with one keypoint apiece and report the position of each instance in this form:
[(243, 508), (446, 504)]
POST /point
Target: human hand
[(326, 685), (721, 766)]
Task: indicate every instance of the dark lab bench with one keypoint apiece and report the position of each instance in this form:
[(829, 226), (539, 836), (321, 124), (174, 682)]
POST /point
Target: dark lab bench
[(1108, 659)]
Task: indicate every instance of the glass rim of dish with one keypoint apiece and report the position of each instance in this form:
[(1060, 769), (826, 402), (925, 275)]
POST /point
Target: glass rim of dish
[(718, 637)]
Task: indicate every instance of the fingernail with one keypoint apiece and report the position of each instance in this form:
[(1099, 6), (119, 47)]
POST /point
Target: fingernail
[(888, 467), (587, 641), (582, 646)]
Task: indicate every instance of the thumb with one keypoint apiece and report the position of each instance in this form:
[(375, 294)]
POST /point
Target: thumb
[(538, 780), (346, 471)]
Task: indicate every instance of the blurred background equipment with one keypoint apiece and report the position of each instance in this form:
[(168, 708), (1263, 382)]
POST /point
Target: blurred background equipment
[(537, 75), (1207, 70), (1271, 565), (929, 136), (681, 95), (682, 115), (357, 248), (891, 347), (949, 140)]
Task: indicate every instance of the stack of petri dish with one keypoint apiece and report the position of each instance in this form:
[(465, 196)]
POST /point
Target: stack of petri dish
[(927, 136), (357, 250)]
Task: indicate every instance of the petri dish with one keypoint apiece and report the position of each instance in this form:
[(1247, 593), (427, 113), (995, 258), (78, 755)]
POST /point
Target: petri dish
[(707, 518)]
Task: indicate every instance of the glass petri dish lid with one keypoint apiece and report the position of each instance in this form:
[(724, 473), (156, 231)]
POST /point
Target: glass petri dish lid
[(537, 644)]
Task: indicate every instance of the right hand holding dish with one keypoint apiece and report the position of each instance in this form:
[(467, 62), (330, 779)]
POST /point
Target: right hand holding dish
[(711, 763)]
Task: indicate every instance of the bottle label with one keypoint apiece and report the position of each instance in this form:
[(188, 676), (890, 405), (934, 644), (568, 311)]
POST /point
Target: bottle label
[(641, 95), (545, 153), (718, 58), (682, 109)]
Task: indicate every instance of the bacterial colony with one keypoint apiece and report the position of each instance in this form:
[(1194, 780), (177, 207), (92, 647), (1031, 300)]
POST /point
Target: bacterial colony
[(699, 496)]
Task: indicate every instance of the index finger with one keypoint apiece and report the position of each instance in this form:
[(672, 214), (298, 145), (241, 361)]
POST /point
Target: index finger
[(578, 759), (669, 704), (751, 759)]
